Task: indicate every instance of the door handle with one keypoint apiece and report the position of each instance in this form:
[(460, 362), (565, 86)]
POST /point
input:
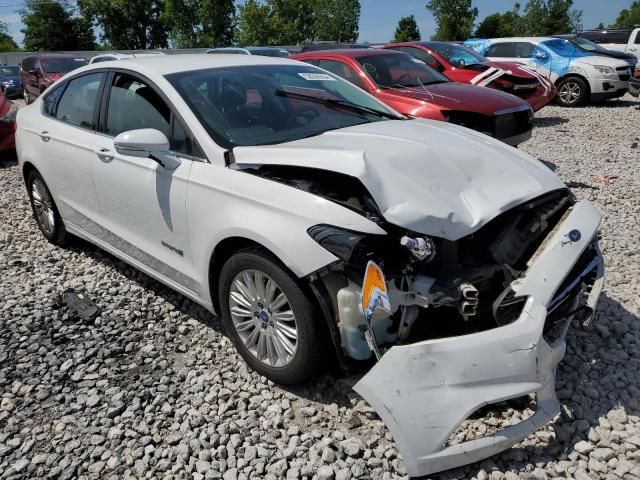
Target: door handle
[(104, 154), (44, 136)]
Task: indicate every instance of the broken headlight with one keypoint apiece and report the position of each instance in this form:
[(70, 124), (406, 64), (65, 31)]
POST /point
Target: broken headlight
[(344, 244)]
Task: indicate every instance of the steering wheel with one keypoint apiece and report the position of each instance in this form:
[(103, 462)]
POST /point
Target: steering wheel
[(404, 78)]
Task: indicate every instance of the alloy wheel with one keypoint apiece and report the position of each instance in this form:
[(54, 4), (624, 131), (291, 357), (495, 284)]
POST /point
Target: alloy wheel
[(43, 205), (570, 92), (263, 318)]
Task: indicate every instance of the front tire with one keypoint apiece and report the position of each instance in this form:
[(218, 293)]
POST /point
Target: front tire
[(44, 210), (572, 92), (269, 318)]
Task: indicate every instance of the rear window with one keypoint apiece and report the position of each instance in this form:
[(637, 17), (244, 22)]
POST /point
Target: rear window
[(62, 65)]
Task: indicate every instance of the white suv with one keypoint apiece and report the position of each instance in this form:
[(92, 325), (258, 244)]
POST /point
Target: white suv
[(280, 196), (579, 76)]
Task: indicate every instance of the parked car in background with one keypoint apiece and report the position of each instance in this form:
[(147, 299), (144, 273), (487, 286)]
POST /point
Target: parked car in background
[(622, 40), (316, 46), (413, 88), (265, 190), (108, 57), (263, 51), (579, 76), (588, 46), (8, 111), (39, 71), (462, 64), (10, 80)]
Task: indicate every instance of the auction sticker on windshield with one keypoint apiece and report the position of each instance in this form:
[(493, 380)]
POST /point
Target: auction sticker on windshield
[(316, 76)]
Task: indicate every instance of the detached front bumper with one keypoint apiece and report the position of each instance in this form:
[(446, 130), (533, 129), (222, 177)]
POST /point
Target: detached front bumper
[(424, 391)]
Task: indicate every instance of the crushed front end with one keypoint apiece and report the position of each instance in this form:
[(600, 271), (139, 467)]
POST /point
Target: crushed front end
[(473, 322)]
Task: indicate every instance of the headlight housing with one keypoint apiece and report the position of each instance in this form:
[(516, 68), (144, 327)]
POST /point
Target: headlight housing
[(604, 69)]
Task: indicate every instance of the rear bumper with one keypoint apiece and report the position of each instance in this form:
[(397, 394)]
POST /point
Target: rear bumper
[(424, 391)]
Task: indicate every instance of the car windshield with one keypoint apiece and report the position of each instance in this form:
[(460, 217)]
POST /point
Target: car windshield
[(399, 70), (587, 45), (8, 71), (270, 52), (271, 104), (62, 65), (562, 48), (457, 54)]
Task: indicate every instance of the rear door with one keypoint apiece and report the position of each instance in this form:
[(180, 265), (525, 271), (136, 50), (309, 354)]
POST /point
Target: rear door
[(68, 137), (142, 204)]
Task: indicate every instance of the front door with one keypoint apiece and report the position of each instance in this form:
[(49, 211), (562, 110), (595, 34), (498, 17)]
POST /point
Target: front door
[(142, 204)]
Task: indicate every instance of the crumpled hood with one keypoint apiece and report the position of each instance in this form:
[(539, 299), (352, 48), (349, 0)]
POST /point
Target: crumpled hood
[(512, 67), (427, 176), (462, 97)]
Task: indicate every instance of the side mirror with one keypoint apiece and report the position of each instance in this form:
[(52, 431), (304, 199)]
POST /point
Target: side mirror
[(147, 143), (540, 54)]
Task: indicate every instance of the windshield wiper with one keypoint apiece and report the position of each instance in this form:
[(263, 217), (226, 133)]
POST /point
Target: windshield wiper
[(342, 103)]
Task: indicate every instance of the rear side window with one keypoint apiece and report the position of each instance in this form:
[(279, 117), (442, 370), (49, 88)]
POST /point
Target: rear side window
[(77, 104), (524, 49), (506, 49)]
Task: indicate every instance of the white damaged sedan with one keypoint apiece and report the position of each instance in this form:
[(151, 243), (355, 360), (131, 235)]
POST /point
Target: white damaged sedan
[(443, 264)]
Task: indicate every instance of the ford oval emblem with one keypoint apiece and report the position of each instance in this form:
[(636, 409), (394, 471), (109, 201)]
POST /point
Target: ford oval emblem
[(574, 235)]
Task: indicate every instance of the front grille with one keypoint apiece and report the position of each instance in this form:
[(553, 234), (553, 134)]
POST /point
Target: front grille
[(514, 123), (572, 293), (623, 73), (500, 126)]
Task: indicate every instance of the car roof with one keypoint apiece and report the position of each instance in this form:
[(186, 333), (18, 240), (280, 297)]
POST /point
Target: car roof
[(166, 64), (54, 55), (349, 52), (520, 39)]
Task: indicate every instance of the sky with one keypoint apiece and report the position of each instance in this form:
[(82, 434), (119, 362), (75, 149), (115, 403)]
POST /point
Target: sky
[(378, 18)]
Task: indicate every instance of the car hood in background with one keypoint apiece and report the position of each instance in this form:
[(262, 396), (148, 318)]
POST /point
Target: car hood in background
[(461, 97), (602, 60), (427, 176)]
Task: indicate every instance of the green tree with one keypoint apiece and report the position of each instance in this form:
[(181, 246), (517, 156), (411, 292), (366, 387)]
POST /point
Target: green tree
[(128, 24), (561, 18), (455, 18), (507, 24), (199, 23), (629, 17), (275, 22), (407, 30), (53, 26), (254, 26), (550, 17), (600, 26), (7, 44), (336, 20)]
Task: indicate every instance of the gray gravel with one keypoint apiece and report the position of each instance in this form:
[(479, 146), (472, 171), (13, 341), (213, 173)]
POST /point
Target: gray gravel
[(153, 389)]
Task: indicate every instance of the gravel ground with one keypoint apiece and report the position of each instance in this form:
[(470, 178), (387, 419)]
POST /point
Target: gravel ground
[(153, 389)]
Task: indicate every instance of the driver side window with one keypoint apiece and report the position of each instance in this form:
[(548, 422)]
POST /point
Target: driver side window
[(342, 70), (133, 105), (524, 49)]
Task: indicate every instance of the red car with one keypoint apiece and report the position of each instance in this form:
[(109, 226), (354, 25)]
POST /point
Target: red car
[(462, 64), (8, 112), (415, 89)]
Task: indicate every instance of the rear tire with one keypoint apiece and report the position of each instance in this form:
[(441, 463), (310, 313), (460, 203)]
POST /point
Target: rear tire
[(572, 92), (45, 211), (268, 316)]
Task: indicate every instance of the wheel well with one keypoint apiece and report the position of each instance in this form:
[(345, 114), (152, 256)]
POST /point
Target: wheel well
[(575, 75), (223, 252), (27, 168)]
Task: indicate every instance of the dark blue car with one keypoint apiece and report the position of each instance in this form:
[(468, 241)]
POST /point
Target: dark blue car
[(10, 80)]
